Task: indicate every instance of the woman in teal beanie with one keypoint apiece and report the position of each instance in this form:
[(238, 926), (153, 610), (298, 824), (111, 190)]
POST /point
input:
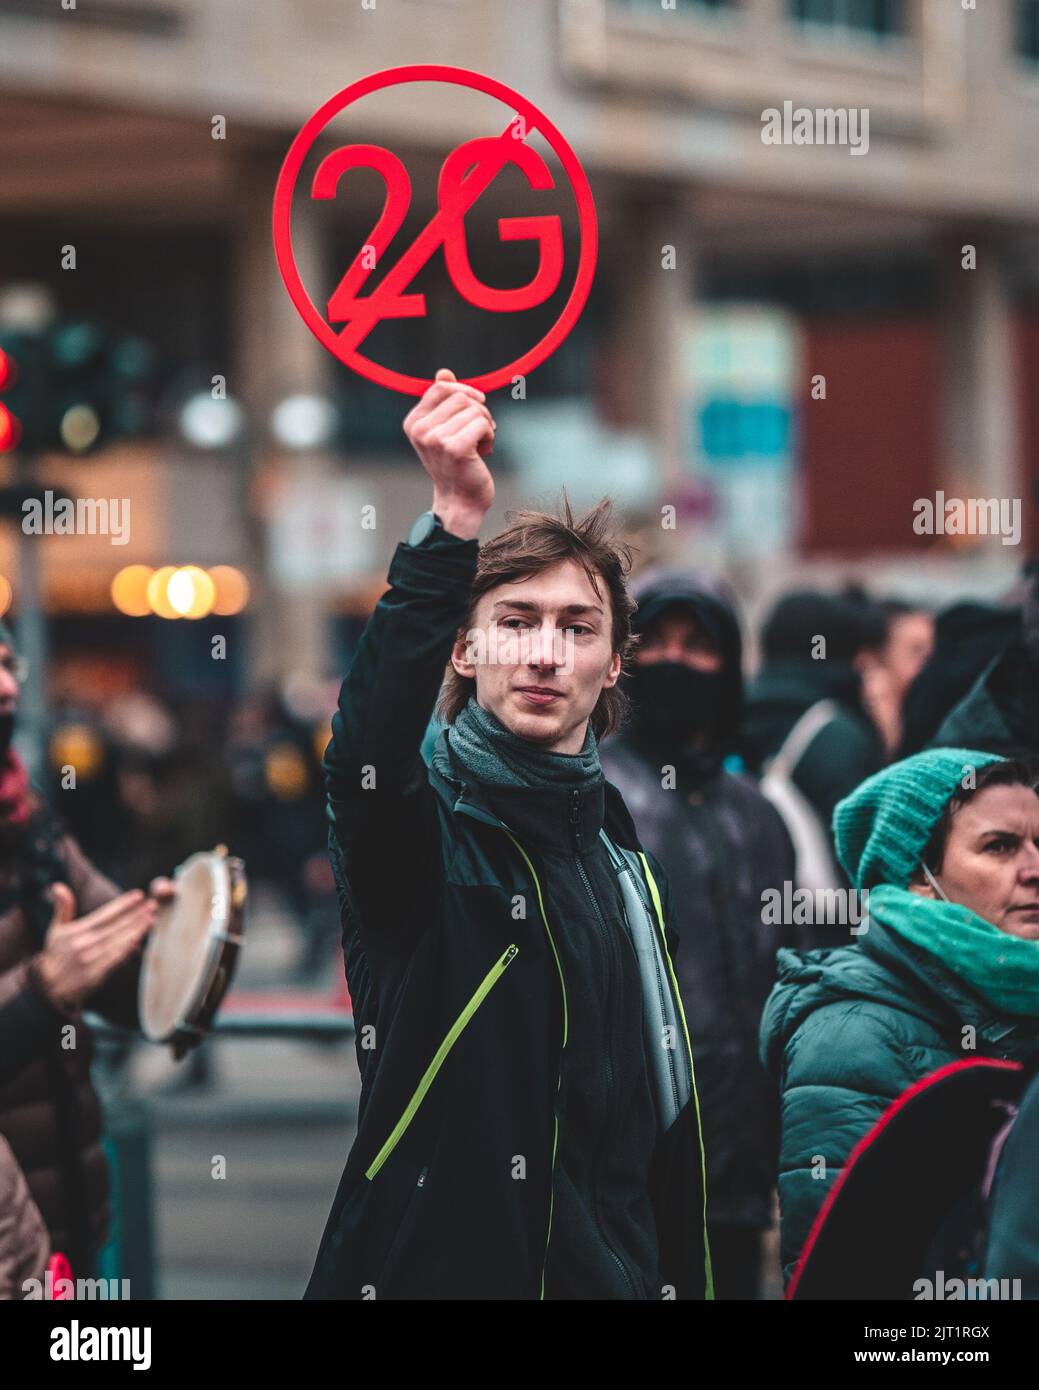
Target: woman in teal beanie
[(947, 968)]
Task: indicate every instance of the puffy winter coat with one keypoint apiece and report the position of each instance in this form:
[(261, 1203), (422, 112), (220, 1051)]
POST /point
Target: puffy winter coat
[(846, 1031), (24, 1245)]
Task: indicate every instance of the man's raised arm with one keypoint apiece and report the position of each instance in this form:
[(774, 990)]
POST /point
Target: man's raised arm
[(374, 775)]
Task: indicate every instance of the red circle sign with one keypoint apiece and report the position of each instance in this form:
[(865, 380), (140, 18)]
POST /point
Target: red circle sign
[(456, 194)]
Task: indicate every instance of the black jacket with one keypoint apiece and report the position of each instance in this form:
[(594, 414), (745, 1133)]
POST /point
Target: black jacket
[(998, 713), (457, 936)]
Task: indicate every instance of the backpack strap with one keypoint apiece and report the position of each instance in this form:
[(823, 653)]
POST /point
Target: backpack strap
[(801, 737)]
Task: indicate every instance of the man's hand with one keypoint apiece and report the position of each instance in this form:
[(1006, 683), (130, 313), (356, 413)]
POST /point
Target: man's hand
[(79, 953), (452, 431)]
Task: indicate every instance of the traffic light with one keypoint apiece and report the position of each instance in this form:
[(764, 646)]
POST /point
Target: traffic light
[(74, 387), (10, 425), (18, 360)]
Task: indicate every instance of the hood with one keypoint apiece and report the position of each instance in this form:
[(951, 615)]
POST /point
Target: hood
[(714, 607), (997, 714)]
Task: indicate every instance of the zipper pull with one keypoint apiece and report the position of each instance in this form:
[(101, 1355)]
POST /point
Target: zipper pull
[(422, 1178)]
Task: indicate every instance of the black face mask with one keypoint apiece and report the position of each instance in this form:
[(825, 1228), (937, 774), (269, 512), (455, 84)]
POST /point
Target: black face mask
[(6, 732), (674, 701)]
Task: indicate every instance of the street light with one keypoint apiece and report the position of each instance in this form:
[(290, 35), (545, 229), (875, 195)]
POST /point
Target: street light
[(303, 422)]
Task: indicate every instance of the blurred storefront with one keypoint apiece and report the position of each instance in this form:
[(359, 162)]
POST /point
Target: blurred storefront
[(733, 275)]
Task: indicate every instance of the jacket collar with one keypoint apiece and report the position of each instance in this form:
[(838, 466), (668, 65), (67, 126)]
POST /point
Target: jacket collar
[(560, 819)]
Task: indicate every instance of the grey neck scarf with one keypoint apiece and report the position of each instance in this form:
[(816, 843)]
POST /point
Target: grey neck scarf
[(500, 758)]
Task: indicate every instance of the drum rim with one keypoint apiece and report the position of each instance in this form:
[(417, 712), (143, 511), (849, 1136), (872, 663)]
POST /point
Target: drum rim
[(216, 943)]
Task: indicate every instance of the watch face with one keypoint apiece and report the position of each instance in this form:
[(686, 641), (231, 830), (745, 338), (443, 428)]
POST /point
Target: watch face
[(422, 528)]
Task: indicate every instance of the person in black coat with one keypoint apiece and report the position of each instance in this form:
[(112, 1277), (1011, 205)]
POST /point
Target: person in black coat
[(723, 845), (813, 647)]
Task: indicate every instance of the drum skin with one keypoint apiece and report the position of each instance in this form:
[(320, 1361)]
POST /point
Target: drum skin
[(192, 949)]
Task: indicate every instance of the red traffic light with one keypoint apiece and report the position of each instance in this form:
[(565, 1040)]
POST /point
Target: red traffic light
[(8, 371), (10, 430)]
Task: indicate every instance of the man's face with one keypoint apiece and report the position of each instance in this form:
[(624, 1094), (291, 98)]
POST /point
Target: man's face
[(543, 655), (8, 683), (991, 861), (677, 636)]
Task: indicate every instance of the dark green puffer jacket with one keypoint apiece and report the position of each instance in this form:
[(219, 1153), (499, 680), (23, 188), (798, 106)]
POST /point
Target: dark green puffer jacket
[(844, 1032)]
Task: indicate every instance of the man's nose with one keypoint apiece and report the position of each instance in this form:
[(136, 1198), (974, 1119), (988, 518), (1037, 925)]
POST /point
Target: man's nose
[(8, 685), (542, 646)]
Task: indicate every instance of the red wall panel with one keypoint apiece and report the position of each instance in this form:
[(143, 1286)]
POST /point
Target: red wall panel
[(871, 448)]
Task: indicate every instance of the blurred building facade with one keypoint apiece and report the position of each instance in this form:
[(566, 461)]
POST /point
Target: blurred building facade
[(788, 344)]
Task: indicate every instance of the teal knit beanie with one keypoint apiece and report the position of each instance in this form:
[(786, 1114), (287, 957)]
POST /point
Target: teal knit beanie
[(882, 829)]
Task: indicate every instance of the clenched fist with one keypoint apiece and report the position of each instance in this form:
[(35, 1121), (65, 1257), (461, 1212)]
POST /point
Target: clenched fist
[(452, 431)]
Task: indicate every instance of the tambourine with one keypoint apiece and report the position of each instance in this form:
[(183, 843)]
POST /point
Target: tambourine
[(192, 950)]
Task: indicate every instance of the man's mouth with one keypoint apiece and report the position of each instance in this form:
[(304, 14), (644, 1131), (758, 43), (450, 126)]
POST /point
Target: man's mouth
[(1026, 907), (539, 694)]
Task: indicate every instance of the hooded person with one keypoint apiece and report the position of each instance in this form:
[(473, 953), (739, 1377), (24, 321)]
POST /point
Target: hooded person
[(946, 843), (724, 847)]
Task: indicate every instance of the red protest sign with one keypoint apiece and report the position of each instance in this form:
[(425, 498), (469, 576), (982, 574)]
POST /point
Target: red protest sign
[(466, 173)]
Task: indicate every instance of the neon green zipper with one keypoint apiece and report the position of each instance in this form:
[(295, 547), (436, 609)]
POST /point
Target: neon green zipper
[(708, 1272), (559, 1079), (486, 985)]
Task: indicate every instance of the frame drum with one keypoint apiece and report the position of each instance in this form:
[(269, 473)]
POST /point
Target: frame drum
[(192, 950)]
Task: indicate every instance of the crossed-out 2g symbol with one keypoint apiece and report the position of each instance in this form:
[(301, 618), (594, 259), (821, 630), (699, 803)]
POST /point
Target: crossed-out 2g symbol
[(466, 172)]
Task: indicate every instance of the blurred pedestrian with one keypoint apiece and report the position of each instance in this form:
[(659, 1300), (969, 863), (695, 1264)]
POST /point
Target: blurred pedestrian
[(892, 669), (806, 731), (723, 846), (68, 942)]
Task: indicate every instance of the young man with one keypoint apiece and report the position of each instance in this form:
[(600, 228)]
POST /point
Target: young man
[(528, 1125)]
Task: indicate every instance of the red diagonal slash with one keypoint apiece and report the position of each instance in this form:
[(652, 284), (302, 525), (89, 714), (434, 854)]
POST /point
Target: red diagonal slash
[(433, 233)]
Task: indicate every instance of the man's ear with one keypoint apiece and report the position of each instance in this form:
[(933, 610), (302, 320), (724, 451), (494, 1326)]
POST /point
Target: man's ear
[(461, 657), (613, 672)]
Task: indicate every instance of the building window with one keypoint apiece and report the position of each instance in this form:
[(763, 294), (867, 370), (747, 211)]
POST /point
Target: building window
[(1028, 29), (872, 17)]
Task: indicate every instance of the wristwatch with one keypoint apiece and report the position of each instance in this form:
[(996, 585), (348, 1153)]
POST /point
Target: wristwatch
[(423, 528)]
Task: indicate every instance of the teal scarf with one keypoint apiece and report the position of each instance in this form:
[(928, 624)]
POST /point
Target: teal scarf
[(497, 756), (1003, 969)]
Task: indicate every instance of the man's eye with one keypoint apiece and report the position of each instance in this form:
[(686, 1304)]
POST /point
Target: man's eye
[(1001, 845), (511, 622), (577, 627)]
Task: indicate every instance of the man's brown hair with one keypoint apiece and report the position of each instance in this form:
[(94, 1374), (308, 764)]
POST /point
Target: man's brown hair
[(533, 542)]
